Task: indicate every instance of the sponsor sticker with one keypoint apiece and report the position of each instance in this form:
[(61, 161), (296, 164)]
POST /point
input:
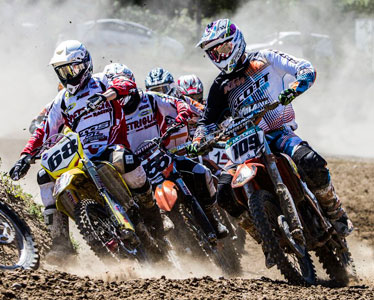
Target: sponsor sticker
[(129, 159)]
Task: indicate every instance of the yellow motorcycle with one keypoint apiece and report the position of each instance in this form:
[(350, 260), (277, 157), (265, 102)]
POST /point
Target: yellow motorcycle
[(96, 197)]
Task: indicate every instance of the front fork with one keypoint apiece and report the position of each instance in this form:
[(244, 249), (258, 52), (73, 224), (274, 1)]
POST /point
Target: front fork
[(117, 210), (196, 209), (287, 204)]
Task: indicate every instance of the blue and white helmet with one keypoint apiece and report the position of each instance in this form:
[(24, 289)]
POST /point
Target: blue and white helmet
[(73, 65), (224, 43), (159, 80), (117, 69)]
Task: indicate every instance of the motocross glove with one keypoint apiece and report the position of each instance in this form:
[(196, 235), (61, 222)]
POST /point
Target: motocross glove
[(182, 117), (94, 101), (21, 167), (286, 96), (193, 149)]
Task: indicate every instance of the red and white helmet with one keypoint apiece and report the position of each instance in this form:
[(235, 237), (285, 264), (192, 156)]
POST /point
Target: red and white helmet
[(191, 86)]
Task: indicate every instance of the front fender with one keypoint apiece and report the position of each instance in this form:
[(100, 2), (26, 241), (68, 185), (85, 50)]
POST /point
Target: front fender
[(244, 173), (65, 180), (166, 195)]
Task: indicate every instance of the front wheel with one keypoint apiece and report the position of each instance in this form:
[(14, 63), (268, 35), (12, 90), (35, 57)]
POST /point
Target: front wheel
[(212, 252), (102, 236), (265, 211), (18, 249)]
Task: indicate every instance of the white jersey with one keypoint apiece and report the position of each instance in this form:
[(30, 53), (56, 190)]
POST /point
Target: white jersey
[(105, 126)]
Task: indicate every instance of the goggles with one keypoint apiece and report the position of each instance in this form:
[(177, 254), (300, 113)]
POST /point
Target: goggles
[(70, 71), (220, 52), (164, 89), (197, 97)]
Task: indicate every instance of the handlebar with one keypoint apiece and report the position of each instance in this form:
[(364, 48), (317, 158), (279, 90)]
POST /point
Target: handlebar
[(243, 122), (157, 141)]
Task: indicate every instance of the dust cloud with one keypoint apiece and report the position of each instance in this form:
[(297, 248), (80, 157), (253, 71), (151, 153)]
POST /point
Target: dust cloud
[(336, 115)]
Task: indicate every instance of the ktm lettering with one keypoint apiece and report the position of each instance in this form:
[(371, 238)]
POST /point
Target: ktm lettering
[(248, 144), (233, 84)]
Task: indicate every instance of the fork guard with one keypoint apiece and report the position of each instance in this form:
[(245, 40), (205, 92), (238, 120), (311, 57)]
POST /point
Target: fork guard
[(166, 195)]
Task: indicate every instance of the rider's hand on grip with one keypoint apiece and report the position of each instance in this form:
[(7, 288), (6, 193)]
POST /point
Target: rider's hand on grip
[(193, 149), (21, 167), (286, 96), (94, 101), (182, 117)]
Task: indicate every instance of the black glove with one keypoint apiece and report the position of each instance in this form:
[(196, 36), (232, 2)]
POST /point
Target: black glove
[(94, 101), (286, 96), (21, 167)]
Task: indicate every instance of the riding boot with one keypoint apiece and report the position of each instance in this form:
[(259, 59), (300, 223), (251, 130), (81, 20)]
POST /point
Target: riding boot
[(58, 227), (220, 229), (332, 206)]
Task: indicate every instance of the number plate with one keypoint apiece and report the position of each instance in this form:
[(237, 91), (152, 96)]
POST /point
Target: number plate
[(245, 146), (61, 155), (219, 156), (155, 164)]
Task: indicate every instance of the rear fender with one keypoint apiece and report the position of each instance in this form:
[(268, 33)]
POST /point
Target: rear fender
[(166, 195)]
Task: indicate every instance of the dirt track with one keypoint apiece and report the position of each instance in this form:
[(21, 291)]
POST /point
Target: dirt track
[(354, 182)]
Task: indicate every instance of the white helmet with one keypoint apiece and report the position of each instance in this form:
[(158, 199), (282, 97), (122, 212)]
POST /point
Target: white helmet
[(191, 86), (73, 65), (117, 69), (159, 80), (224, 43)]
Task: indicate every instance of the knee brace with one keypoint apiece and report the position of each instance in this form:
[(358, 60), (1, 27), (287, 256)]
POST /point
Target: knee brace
[(46, 185), (312, 167), (124, 160), (136, 178)]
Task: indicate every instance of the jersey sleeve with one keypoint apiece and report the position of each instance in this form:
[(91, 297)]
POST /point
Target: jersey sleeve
[(49, 127), (215, 109), (301, 69)]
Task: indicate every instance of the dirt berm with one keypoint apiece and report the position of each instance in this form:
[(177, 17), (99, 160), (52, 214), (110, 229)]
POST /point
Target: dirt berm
[(354, 181)]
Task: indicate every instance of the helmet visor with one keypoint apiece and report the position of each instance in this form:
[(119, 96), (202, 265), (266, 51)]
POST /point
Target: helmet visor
[(197, 97), (70, 71), (164, 89), (220, 52)]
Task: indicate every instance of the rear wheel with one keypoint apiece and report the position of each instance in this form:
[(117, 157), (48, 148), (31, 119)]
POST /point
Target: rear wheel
[(338, 264), (265, 211), (232, 246), (17, 247)]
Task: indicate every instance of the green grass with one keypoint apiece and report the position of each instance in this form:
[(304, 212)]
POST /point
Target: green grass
[(16, 191)]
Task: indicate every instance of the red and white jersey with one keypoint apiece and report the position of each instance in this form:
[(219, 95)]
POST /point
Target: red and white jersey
[(151, 118), (105, 126)]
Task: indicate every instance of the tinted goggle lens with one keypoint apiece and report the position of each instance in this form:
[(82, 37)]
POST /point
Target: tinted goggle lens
[(164, 89), (70, 71), (221, 51)]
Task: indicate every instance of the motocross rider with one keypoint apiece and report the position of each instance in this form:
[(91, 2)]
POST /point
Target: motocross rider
[(102, 133), (192, 87), (148, 115), (245, 80), (162, 81)]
